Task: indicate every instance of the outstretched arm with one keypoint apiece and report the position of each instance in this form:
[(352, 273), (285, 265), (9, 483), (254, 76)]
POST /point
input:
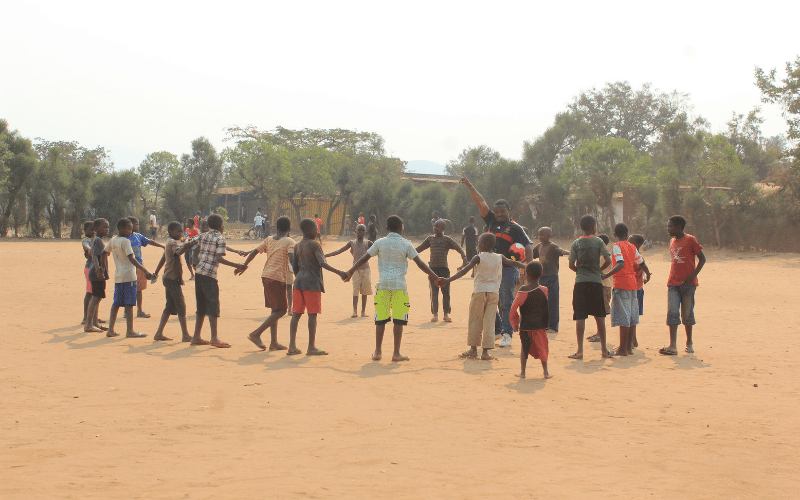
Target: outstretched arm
[(250, 256), (427, 270), (360, 262), (223, 260), (155, 244), (337, 252), (483, 208), (135, 262), (464, 270), (515, 263)]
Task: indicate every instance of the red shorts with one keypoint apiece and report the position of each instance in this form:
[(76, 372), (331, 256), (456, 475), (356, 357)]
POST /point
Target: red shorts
[(535, 343), (306, 299), (88, 281), (274, 294)]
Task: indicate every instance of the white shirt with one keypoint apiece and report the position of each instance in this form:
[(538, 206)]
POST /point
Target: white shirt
[(153, 220), (488, 273), (120, 247)]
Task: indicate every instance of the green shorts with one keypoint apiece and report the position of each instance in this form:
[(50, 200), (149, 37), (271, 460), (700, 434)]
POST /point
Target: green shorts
[(391, 304)]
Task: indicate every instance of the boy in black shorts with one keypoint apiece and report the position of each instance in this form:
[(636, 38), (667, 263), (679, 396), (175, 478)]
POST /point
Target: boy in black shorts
[(98, 274), (470, 236), (173, 281), (587, 297)]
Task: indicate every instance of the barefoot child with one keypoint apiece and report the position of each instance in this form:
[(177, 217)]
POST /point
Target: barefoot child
[(638, 240), (587, 297), (485, 295), (361, 279), (307, 263), (98, 274), (682, 283), (391, 299), (211, 253), (189, 234), (532, 319), (440, 245), (173, 281), (548, 254), (138, 241), (125, 280), (624, 305), (86, 244), (279, 250)]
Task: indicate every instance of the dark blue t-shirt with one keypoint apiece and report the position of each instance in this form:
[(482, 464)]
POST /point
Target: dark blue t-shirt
[(506, 233)]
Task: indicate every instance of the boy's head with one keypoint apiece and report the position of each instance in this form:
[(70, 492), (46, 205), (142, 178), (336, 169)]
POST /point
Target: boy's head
[(189, 223), (486, 242), (471, 220), (124, 227), (637, 240), (435, 215), (502, 210), (675, 225), (135, 223), (544, 234), (204, 226), (533, 271), (394, 224), (604, 238), (621, 232), (373, 218), (100, 227), (88, 228), (175, 230), (283, 224), (588, 224), (361, 230), (216, 223), (438, 227), (309, 228)]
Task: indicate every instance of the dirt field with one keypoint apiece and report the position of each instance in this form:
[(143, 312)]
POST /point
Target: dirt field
[(85, 416)]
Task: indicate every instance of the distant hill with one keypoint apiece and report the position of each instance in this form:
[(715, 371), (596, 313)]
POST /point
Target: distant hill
[(425, 167)]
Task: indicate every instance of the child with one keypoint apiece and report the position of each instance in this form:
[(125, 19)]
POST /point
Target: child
[(125, 279), (608, 285), (532, 319), (137, 242), (624, 307), (638, 240), (440, 245), (319, 228), (361, 279), (307, 263), (210, 254), (153, 224), (372, 229), (470, 236), (173, 281), (682, 283), (485, 295), (391, 298), (587, 296), (279, 250), (98, 274), (86, 244), (548, 254), (258, 222), (189, 234)]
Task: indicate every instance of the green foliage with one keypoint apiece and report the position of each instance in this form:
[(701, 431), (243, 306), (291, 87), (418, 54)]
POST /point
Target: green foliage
[(203, 169), (114, 195), (222, 211), (155, 170), (17, 163)]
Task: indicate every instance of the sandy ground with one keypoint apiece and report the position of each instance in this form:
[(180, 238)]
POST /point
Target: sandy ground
[(84, 416)]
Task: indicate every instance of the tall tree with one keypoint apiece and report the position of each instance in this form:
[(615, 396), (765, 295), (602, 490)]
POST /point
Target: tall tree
[(155, 170), (17, 163), (204, 171)]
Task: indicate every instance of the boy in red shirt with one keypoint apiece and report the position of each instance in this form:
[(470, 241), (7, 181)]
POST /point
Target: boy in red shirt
[(682, 283), (624, 305)]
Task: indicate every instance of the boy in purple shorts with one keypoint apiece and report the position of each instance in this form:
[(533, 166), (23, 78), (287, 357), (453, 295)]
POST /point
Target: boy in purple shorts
[(124, 278)]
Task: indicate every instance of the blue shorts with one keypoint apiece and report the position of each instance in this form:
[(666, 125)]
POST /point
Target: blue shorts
[(124, 294), (640, 297)]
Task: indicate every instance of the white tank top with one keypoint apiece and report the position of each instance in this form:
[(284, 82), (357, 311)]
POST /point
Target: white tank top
[(488, 273)]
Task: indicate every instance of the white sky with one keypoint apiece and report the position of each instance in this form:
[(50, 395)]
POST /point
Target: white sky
[(431, 77)]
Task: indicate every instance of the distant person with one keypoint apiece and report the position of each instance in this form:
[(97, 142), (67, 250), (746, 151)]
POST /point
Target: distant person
[(307, 263), (361, 218), (266, 225), (361, 277), (98, 274), (485, 293), (391, 299), (319, 228), (125, 277), (507, 233), (153, 224), (624, 305), (469, 236), (197, 219), (138, 241), (279, 250), (211, 247), (587, 297), (258, 225), (372, 229), (440, 245), (190, 233), (638, 240), (548, 254), (682, 283), (173, 281), (532, 319), (86, 245)]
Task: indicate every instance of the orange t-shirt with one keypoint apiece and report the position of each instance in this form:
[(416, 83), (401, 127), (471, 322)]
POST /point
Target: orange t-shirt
[(625, 278)]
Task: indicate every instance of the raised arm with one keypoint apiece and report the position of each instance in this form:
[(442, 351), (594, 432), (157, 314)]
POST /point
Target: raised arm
[(337, 252), (483, 208)]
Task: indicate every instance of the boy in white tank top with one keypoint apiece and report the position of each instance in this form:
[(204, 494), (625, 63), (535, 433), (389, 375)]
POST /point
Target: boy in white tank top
[(485, 294)]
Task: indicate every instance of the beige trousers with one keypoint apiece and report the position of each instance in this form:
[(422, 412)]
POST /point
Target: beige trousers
[(482, 313)]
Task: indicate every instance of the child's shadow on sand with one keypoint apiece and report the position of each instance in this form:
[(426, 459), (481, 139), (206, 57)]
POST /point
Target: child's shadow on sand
[(687, 362), (527, 385)]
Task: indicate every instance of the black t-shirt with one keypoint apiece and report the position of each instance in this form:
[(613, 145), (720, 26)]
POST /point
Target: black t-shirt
[(534, 312), (507, 234), (372, 232), (471, 236)]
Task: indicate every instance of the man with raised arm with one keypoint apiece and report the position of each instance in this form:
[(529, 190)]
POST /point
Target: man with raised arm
[(507, 233)]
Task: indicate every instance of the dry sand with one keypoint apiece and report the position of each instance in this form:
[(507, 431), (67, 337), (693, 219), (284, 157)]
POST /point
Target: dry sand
[(84, 416)]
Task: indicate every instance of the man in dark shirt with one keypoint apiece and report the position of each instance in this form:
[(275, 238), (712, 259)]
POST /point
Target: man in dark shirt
[(507, 233)]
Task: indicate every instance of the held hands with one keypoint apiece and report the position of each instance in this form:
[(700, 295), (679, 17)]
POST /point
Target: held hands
[(440, 282), (345, 277), (148, 275), (239, 272)]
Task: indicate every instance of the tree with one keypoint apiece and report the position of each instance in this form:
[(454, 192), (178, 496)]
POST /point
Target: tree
[(604, 165), (114, 195), (261, 165), (204, 171), (787, 95), (17, 163), (155, 170), (545, 154)]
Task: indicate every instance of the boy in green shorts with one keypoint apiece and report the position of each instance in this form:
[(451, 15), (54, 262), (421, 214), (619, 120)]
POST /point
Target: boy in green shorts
[(391, 299)]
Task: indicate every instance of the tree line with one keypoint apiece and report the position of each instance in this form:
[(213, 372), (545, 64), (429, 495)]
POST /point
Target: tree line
[(736, 187)]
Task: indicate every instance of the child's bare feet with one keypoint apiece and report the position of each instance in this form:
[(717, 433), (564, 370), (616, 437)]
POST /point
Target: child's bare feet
[(102, 328), (92, 329), (577, 355), (112, 333), (135, 335), (447, 319), (363, 315), (435, 318), (488, 357), (547, 375), (161, 337), (277, 347), (689, 349), (316, 352), (355, 314), (399, 357), (376, 356), (520, 375), (186, 338)]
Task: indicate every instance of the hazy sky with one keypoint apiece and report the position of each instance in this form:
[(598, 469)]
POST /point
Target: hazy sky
[(431, 77)]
